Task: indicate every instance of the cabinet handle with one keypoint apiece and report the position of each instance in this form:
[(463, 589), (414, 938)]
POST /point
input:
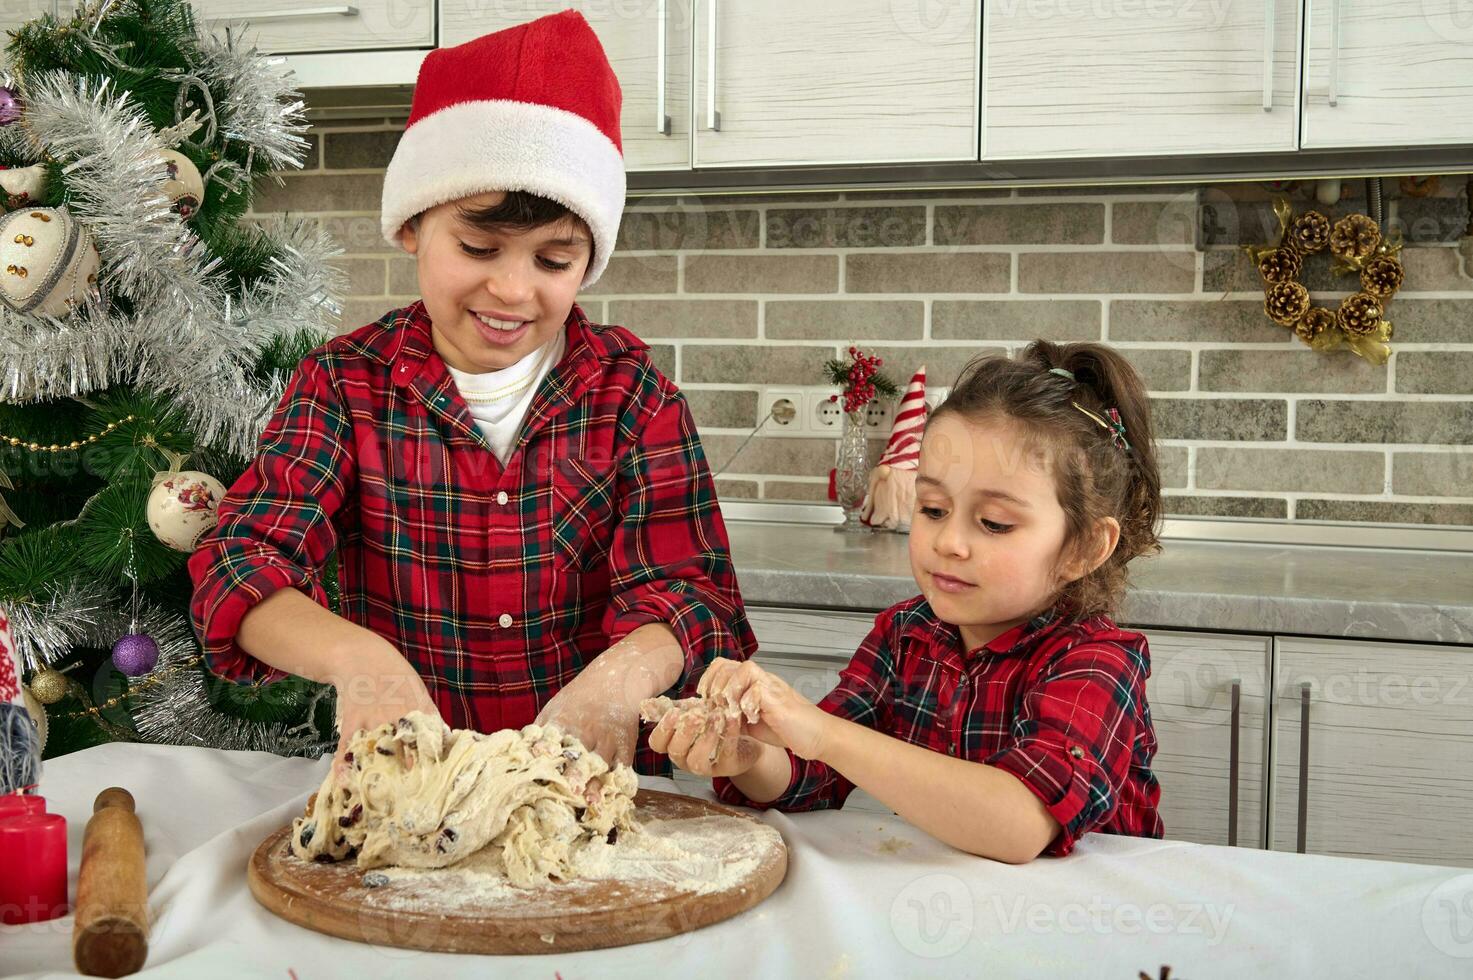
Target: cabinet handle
[(344, 11), (713, 118), (1334, 53), (1268, 56), (1302, 842), (1237, 696), (662, 118)]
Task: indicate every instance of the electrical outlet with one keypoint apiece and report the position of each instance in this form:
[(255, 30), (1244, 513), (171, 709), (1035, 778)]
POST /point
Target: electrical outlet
[(783, 409), (879, 414), (823, 413)]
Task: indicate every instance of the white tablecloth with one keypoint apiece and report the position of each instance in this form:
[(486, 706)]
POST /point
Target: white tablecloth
[(864, 896)]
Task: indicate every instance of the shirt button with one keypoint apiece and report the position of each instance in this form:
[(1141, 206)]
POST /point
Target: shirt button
[(501, 497), (1076, 752), (505, 620)]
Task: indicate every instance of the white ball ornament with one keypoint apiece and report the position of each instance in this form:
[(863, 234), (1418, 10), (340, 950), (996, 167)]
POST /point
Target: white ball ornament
[(48, 263), (182, 506), (22, 186), (183, 186)]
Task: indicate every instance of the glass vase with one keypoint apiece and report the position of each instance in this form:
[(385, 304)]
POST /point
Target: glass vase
[(851, 471)]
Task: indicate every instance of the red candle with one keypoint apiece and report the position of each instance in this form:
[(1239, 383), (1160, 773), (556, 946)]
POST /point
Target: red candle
[(20, 804), (32, 868)]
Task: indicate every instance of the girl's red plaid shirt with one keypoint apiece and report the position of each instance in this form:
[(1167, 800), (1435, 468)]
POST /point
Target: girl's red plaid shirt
[(1059, 704)]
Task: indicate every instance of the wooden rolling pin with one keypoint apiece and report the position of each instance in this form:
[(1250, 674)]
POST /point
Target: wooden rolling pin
[(110, 938)]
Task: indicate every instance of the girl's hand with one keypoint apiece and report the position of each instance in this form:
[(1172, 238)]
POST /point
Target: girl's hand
[(701, 752), (786, 718), (379, 687)]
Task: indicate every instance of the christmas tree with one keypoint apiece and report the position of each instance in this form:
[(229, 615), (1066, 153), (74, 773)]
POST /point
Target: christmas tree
[(146, 334)]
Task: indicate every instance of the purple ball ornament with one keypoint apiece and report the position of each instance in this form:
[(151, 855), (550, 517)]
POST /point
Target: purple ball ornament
[(9, 106), (135, 654)]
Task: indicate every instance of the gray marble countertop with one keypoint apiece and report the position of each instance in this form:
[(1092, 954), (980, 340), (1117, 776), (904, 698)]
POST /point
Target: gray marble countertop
[(1417, 596)]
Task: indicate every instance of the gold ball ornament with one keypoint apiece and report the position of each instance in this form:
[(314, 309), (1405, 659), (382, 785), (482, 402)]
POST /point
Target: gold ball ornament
[(49, 686), (48, 262), (182, 506), (183, 185), (37, 711), (1286, 302), (22, 186)]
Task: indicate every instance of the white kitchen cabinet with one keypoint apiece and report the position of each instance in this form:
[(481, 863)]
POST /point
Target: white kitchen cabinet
[(649, 47), (1206, 693), (835, 82), (1388, 729), (299, 26), (1388, 74), (1139, 78)]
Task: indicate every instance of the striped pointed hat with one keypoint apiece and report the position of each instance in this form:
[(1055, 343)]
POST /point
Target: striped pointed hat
[(903, 451)]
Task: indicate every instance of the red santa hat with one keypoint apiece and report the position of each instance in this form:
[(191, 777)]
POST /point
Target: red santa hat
[(532, 108)]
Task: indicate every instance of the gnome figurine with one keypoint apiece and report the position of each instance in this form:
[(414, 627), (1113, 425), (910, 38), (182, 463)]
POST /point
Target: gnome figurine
[(892, 483), (20, 740)]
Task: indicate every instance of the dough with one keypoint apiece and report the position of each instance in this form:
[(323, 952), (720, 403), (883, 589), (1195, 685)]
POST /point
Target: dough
[(417, 794), (709, 715)]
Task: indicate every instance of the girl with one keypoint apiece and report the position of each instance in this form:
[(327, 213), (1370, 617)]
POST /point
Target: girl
[(1000, 710)]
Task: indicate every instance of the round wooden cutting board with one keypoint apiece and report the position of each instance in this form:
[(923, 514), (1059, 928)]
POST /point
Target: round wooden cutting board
[(454, 910)]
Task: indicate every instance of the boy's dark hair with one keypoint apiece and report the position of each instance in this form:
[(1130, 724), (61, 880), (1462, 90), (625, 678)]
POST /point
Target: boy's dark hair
[(522, 211), (1093, 475)]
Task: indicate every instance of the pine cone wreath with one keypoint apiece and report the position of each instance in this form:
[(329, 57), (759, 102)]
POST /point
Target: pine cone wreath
[(1382, 276), (1310, 233), (1359, 314), (1314, 323), (1286, 302), (1280, 265), (1354, 236)]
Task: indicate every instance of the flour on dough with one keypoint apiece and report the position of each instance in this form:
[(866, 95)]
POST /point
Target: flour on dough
[(417, 794)]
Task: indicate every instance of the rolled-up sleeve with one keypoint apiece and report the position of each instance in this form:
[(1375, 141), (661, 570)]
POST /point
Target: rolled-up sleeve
[(670, 560), (1075, 733), (275, 525)]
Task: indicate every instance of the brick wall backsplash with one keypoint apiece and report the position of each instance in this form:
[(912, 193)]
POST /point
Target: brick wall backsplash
[(739, 293)]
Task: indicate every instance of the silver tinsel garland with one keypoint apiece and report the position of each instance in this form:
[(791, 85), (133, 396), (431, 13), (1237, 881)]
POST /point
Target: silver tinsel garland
[(175, 709), (260, 108), (190, 335), (46, 628)]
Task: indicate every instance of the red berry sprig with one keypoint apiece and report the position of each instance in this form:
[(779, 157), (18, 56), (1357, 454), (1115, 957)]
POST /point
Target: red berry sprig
[(860, 389)]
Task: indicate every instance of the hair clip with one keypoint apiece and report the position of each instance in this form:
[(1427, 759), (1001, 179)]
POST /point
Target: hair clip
[(1114, 426), (1062, 373)]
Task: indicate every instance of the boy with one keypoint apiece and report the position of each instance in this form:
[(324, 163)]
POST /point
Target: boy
[(525, 524)]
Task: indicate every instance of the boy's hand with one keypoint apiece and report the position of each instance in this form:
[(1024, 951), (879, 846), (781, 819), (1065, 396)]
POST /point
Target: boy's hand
[(376, 685), (605, 725), (785, 718), (601, 705)]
